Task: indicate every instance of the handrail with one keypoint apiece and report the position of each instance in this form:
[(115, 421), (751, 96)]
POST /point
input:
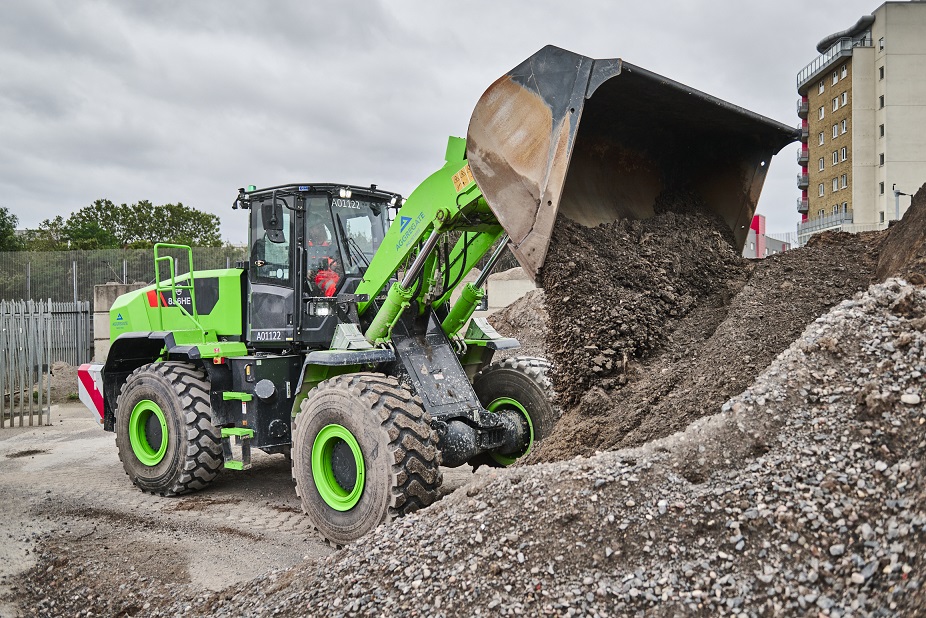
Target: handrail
[(842, 47), (174, 286)]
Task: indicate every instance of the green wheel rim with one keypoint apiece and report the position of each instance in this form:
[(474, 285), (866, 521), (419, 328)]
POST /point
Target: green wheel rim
[(509, 403), (337, 497), (148, 454)]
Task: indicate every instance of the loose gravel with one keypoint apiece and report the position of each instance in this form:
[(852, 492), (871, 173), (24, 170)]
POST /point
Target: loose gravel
[(802, 497)]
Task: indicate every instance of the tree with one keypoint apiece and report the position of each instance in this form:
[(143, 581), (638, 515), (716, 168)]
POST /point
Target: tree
[(104, 225), (9, 240), (49, 236)]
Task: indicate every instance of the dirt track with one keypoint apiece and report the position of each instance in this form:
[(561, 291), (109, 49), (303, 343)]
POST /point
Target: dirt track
[(64, 494)]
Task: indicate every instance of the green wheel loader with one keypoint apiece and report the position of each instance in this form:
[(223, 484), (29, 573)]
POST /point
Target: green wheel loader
[(340, 341)]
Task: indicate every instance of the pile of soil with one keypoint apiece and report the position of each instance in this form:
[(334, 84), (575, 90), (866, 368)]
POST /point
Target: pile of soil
[(615, 292), (653, 334), (526, 321), (63, 382), (904, 251)]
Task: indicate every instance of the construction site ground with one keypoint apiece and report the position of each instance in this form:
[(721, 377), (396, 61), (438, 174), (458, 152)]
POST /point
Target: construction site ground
[(740, 438), (79, 539)]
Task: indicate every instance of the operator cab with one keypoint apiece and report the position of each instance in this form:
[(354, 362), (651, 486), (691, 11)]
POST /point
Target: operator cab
[(308, 245)]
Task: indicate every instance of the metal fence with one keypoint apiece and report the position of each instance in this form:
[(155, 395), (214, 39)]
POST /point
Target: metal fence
[(67, 276), (33, 336), (25, 349)]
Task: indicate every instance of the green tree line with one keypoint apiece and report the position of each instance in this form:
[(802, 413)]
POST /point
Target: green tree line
[(105, 225)]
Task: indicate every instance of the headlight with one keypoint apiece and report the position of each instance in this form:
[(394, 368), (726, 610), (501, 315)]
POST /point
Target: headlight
[(320, 309)]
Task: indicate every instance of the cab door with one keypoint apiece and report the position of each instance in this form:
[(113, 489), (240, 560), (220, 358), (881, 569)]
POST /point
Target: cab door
[(272, 293)]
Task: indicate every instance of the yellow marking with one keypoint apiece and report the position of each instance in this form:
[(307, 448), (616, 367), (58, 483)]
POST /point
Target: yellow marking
[(463, 178)]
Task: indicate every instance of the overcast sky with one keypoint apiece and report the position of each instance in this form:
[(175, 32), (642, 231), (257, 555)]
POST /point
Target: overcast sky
[(187, 101)]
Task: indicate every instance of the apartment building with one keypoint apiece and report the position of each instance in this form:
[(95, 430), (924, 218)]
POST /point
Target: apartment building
[(863, 122)]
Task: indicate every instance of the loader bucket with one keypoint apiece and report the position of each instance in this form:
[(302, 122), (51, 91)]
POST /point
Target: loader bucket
[(599, 140)]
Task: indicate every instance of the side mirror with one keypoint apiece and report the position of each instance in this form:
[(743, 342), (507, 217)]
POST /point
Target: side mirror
[(272, 219)]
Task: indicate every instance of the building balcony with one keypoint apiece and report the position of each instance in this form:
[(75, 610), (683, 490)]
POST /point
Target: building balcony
[(804, 128), (803, 156), (820, 224), (803, 108), (803, 206), (803, 181), (840, 49)]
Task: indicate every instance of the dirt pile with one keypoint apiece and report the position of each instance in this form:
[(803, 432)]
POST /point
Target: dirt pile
[(808, 499), (63, 382), (616, 291), (525, 320), (659, 322), (904, 250)]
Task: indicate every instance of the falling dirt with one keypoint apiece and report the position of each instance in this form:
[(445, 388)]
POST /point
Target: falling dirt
[(655, 328)]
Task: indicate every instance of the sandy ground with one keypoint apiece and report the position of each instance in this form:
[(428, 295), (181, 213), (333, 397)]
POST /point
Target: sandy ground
[(62, 485)]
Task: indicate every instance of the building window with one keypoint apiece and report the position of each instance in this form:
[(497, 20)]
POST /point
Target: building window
[(880, 188), (845, 70), (820, 87), (880, 73), (844, 181), (836, 209), (821, 138), (845, 126), (835, 157), (881, 130), (835, 104), (845, 207), (821, 213), (882, 216), (881, 102), (821, 112), (821, 188), (881, 159), (835, 76), (845, 98), (752, 246), (835, 130), (843, 154), (835, 185), (881, 43), (821, 164)]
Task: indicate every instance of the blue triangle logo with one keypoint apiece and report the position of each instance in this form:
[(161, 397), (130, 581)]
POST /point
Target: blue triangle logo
[(118, 316), (403, 223)]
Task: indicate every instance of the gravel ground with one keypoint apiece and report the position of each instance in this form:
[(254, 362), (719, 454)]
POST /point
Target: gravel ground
[(807, 500)]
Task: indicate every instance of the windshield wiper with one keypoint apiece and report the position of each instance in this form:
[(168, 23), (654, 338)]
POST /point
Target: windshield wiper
[(353, 249)]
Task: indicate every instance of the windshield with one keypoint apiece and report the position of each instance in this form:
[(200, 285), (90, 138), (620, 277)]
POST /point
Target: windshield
[(358, 229)]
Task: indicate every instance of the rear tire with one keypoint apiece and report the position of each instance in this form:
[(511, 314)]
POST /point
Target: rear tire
[(164, 430), (520, 384), (363, 453)]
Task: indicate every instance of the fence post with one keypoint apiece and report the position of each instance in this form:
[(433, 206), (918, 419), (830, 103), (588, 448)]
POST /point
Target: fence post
[(76, 318), (48, 319), (4, 362), (29, 279)]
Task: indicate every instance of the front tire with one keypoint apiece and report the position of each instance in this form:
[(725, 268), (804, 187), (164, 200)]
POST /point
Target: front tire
[(363, 453), (518, 384), (164, 430)]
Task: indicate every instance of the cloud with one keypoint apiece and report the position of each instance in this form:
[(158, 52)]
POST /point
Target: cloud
[(183, 101)]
